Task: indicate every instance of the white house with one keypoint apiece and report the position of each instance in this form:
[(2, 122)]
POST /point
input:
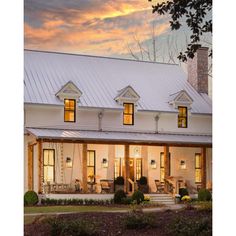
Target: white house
[(92, 118)]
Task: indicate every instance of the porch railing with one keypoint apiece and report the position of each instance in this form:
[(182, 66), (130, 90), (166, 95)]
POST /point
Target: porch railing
[(133, 184)]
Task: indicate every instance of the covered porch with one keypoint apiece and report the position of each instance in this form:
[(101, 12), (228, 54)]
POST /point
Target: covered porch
[(88, 162)]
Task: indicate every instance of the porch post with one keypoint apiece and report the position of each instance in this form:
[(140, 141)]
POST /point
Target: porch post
[(126, 172), (40, 169), (84, 167), (30, 167), (166, 165), (203, 165)]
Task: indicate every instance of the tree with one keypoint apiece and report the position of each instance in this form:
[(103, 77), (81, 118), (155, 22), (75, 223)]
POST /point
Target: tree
[(194, 12)]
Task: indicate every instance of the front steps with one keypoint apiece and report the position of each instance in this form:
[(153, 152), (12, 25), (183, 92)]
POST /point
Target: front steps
[(164, 199)]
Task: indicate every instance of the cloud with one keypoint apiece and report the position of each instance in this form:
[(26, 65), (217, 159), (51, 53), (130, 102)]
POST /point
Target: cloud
[(101, 27)]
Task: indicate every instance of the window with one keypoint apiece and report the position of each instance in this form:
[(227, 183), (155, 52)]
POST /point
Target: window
[(198, 169), (162, 167), (117, 167), (138, 168), (69, 110), (128, 115), (91, 166), (48, 165), (182, 117)]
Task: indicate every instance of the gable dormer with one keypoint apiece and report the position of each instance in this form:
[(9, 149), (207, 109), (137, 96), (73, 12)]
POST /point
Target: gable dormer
[(180, 98), (69, 91), (127, 95)]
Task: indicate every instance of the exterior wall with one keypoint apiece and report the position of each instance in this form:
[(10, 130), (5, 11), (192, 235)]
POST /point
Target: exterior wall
[(53, 117)]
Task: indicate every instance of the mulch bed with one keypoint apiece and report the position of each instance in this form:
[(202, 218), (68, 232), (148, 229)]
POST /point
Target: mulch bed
[(111, 223)]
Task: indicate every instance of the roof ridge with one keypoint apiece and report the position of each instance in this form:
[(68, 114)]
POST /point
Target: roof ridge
[(96, 56)]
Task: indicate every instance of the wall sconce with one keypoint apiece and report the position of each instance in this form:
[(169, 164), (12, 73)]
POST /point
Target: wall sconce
[(104, 163), (182, 165), (68, 162), (153, 164)]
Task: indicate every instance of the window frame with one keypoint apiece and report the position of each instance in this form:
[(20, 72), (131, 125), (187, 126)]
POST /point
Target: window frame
[(198, 168), (183, 117), (66, 110), (132, 114), (49, 149)]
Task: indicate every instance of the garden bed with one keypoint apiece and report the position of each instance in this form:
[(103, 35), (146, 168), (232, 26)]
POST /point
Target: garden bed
[(102, 223)]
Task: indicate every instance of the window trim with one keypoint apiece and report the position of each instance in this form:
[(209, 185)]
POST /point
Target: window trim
[(70, 110), (198, 168), (186, 117), (128, 103), (49, 149)]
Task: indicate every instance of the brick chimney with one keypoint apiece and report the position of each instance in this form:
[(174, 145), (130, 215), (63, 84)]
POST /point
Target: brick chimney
[(198, 70)]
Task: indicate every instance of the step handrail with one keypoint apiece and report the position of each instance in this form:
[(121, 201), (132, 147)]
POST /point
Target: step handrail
[(132, 184)]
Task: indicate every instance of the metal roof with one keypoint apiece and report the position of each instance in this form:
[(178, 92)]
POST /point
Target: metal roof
[(112, 136), (100, 79)]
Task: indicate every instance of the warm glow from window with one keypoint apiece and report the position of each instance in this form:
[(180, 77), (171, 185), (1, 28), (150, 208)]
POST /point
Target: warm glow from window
[(69, 110), (198, 169), (48, 165), (128, 115), (182, 117), (162, 169)]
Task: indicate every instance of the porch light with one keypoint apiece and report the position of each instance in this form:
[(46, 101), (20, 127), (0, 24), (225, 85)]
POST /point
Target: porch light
[(153, 164), (182, 165), (68, 162), (104, 163)]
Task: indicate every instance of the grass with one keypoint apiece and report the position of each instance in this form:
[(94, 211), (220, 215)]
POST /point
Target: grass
[(58, 209)]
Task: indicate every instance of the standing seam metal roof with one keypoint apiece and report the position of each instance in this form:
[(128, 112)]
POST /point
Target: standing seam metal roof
[(100, 78)]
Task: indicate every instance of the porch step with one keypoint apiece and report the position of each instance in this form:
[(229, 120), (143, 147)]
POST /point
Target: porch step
[(164, 199)]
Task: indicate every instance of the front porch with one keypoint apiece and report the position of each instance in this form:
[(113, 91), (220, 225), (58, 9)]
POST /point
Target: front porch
[(79, 167)]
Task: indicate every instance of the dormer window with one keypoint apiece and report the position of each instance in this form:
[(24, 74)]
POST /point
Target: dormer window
[(128, 114), (183, 117), (69, 110)]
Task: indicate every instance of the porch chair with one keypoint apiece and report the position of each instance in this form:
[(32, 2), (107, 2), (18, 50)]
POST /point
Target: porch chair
[(159, 186), (78, 186), (105, 186)]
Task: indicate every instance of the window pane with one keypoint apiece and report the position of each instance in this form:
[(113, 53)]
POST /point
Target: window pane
[(117, 168), (128, 108), (45, 157), (50, 157), (198, 175), (128, 119), (90, 174), (67, 104), (162, 174), (72, 105), (138, 168), (162, 160), (48, 173), (69, 116), (197, 161), (90, 159)]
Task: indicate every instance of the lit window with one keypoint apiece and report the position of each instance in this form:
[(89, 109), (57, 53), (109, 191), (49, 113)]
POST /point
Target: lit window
[(128, 115), (198, 169), (117, 167), (48, 165), (69, 110), (138, 168), (162, 167), (91, 166), (182, 117)]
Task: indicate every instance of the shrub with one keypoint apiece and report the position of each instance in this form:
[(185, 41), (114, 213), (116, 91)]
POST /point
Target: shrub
[(119, 180), (183, 192), (138, 196), (119, 195), (187, 226), (126, 201), (138, 221), (143, 180), (204, 195), (30, 198)]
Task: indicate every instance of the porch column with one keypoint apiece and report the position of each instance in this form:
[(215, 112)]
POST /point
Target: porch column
[(30, 167), (166, 164), (126, 172), (40, 169), (203, 165), (84, 167)]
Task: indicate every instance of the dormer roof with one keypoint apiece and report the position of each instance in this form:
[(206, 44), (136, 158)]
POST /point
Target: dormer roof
[(69, 90), (181, 98)]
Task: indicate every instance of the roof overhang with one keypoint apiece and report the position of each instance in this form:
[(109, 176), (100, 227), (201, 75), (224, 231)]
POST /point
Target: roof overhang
[(114, 137)]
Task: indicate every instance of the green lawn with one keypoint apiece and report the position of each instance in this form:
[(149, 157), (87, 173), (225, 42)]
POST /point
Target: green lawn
[(57, 209)]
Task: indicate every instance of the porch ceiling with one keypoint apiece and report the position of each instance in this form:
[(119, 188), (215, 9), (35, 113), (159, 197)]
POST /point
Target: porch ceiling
[(85, 136)]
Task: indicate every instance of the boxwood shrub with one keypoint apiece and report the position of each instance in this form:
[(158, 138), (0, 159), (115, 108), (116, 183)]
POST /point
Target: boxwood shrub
[(30, 198), (138, 196), (119, 195), (204, 195)]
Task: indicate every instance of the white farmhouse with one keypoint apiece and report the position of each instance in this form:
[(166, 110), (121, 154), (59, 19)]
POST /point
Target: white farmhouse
[(90, 119)]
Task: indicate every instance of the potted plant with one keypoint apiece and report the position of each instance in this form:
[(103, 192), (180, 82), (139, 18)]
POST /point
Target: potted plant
[(119, 183), (142, 184)]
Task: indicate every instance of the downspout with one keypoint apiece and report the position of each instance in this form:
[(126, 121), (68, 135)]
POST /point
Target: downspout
[(156, 123), (100, 115)]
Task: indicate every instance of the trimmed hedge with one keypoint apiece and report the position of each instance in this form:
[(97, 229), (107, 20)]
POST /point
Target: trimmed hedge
[(119, 195), (30, 198), (204, 195)]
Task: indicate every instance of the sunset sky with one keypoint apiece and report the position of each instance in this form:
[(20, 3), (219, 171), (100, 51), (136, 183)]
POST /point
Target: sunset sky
[(98, 27)]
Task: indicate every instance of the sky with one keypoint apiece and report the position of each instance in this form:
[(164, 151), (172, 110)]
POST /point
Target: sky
[(99, 27)]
